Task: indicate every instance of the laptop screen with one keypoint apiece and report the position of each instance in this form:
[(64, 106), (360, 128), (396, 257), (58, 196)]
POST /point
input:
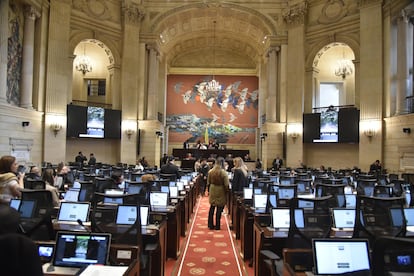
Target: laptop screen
[(247, 193), (81, 249), (15, 203), (344, 255), (397, 216), (281, 218), (180, 185), (127, 215), (134, 189), (305, 204), (409, 216), (26, 208), (113, 200), (74, 211), (260, 201), (72, 195), (286, 193), (173, 191), (165, 189), (350, 201), (159, 199), (344, 218)]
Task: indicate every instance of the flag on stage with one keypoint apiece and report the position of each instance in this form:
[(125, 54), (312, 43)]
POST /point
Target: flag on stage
[(206, 136)]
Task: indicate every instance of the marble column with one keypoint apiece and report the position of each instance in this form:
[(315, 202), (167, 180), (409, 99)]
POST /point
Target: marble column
[(272, 79), (26, 91), (4, 30), (404, 62), (153, 68)]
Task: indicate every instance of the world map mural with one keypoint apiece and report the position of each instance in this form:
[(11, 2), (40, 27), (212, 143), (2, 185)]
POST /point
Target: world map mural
[(228, 115)]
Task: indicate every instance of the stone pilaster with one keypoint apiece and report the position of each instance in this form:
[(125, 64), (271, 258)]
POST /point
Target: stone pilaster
[(26, 92), (272, 79), (153, 69), (4, 30)]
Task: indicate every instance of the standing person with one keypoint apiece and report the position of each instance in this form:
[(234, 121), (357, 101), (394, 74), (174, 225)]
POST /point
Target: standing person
[(92, 160), (240, 179), (49, 179), (186, 144), (277, 163), (218, 186), (11, 181), (80, 158), (203, 170)]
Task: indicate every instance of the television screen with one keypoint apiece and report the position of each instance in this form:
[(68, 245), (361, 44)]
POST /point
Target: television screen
[(93, 122), (331, 126), (76, 120)]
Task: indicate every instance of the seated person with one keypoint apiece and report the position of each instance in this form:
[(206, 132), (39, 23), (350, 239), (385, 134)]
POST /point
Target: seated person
[(170, 168), (115, 182)]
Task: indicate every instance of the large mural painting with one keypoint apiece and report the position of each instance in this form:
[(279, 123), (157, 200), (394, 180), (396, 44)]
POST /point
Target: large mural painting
[(228, 115)]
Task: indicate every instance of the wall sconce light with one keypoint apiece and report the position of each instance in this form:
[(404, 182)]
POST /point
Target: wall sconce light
[(159, 134), (129, 132), (294, 136), (370, 128), (369, 132), (294, 130), (55, 127), (263, 136)]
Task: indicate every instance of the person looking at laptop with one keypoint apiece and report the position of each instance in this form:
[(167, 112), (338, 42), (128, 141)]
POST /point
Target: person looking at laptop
[(11, 181), (115, 182), (49, 179), (218, 187), (240, 179)]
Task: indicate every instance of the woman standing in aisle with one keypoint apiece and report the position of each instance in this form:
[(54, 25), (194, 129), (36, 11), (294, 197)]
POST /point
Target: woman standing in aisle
[(240, 179), (218, 187)]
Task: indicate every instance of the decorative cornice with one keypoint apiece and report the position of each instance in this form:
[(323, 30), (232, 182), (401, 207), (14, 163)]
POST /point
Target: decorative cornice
[(295, 14), (132, 12)]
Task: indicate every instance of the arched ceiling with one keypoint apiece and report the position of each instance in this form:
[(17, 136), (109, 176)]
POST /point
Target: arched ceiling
[(213, 36)]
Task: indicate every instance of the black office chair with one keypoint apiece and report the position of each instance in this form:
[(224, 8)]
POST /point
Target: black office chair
[(87, 191), (33, 184), (317, 222), (40, 226), (377, 220)]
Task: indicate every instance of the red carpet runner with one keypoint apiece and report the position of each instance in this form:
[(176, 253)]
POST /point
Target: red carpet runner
[(208, 252)]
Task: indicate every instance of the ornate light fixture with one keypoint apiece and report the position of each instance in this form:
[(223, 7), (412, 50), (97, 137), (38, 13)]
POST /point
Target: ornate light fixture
[(213, 85), (344, 67), (83, 63)]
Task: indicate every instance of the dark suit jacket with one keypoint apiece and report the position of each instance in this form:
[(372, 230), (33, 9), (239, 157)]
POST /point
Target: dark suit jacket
[(170, 168)]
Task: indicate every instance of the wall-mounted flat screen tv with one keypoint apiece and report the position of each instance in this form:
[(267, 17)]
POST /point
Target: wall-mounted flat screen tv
[(93, 122), (331, 126)]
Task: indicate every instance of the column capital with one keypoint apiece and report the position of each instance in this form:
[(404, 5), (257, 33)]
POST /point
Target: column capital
[(272, 49), (31, 12), (295, 14), (153, 47), (132, 12)]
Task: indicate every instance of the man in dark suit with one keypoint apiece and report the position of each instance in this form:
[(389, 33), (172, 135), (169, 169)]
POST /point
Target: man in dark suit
[(170, 167)]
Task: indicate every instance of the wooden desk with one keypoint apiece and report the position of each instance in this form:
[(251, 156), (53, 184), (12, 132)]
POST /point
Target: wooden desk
[(173, 216), (246, 232), (197, 153), (263, 239)]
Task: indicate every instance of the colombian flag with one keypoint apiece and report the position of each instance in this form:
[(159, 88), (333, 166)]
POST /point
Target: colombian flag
[(206, 136)]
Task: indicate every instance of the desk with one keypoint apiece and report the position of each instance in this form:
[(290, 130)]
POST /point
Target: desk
[(198, 153), (264, 239), (173, 229), (246, 231)]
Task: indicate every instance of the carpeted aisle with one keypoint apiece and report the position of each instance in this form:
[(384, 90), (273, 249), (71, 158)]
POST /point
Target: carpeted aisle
[(208, 252)]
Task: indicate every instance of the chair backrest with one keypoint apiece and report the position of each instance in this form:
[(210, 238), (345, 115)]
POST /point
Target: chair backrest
[(87, 191), (34, 184), (43, 198), (318, 222), (103, 183), (376, 220)]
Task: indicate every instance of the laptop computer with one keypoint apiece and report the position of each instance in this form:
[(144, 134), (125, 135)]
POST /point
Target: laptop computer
[(159, 201), (260, 203), (26, 209), (113, 200), (280, 219), (72, 195), (76, 250), (343, 219), (15, 203), (350, 201), (247, 193), (335, 256), (72, 212), (397, 218), (305, 204), (127, 215)]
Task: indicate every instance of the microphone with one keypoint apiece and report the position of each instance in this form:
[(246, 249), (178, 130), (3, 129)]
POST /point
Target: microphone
[(80, 222)]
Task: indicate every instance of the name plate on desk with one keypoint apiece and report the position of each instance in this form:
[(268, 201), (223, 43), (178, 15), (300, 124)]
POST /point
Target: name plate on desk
[(182, 193), (124, 254)]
